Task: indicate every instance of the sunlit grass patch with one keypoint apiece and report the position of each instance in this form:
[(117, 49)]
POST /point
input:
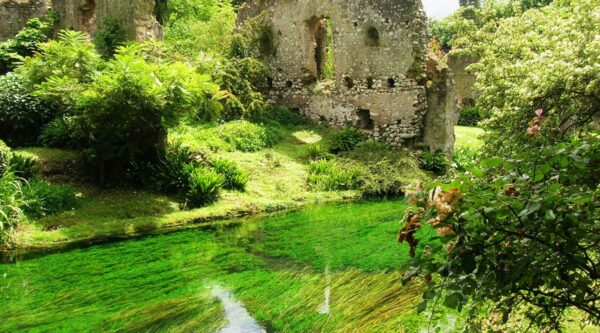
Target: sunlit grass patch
[(468, 137)]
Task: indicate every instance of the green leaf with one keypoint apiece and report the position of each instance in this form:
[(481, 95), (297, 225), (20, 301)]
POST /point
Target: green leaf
[(492, 162), (549, 216), (453, 300)]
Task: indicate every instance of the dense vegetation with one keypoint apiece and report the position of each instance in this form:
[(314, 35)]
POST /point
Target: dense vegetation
[(131, 137), (519, 222)]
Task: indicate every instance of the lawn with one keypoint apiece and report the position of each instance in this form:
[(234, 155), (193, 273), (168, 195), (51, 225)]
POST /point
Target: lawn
[(469, 137)]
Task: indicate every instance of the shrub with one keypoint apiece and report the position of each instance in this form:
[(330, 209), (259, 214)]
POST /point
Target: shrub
[(125, 109), (283, 116), (372, 146), (437, 162), (383, 180), (345, 140), (234, 177), (63, 132), (23, 166), (4, 157), (21, 115), (204, 187), (331, 176), (465, 158), (171, 173), (109, 37), (44, 198), (11, 203), (25, 43), (318, 151), (469, 116), (507, 217), (246, 136)]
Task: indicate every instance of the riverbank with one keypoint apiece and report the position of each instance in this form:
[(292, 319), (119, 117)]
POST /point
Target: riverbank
[(278, 181)]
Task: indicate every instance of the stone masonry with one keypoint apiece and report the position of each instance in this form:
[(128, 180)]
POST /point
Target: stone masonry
[(136, 17), (377, 50)]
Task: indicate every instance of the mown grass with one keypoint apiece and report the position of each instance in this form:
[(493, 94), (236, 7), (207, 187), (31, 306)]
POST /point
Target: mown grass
[(468, 137)]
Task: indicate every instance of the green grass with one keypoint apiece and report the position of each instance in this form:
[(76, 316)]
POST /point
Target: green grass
[(277, 181), (469, 137)]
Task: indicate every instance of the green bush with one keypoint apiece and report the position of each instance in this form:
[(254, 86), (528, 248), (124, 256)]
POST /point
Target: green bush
[(5, 155), (23, 166), (512, 214), (234, 177), (384, 180), (109, 37), (22, 115), (465, 158), (11, 204), (318, 151), (44, 198), (283, 116), (246, 136), (124, 110), (469, 116), (332, 176), (25, 43), (437, 162), (204, 187), (345, 140), (63, 132), (171, 173)]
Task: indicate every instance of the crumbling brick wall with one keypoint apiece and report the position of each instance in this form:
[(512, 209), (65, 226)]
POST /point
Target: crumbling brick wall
[(135, 16), (378, 50)]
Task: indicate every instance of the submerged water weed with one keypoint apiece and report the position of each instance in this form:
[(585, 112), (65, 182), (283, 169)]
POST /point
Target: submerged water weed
[(274, 265)]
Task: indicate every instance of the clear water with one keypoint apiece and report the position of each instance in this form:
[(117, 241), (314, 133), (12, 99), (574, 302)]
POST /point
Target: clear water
[(324, 269)]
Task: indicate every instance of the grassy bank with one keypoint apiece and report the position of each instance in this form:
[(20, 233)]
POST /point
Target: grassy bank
[(277, 181)]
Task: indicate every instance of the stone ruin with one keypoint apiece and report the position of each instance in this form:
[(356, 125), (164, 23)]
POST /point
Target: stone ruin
[(359, 63), (136, 17)]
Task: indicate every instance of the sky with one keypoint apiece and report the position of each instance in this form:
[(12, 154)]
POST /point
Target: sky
[(440, 8)]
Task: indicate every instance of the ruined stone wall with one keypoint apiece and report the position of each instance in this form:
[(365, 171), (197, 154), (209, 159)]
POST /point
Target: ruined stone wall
[(135, 16), (378, 52), (14, 15), (465, 81)]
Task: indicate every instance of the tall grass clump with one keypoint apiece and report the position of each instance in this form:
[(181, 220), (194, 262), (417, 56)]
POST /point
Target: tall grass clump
[(11, 204), (204, 187), (234, 177)]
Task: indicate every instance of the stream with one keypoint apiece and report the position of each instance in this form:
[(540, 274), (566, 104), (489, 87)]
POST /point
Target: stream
[(331, 268)]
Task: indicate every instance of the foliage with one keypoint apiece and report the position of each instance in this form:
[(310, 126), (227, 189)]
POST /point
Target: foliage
[(458, 32), (171, 173), (465, 158), (241, 78), (44, 198), (345, 140), (11, 203), (109, 37), (383, 180), (63, 132), (523, 238), (283, 116), (21, 114), (437, 162), (255, 39), (5, 155), (25, 43), (204, 187), (318, 151), (544, 59), (193, 35), (234, 177), (124, 109), (23, 166), (333, 176), (70, 58), (246, 136), (469, 116)]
